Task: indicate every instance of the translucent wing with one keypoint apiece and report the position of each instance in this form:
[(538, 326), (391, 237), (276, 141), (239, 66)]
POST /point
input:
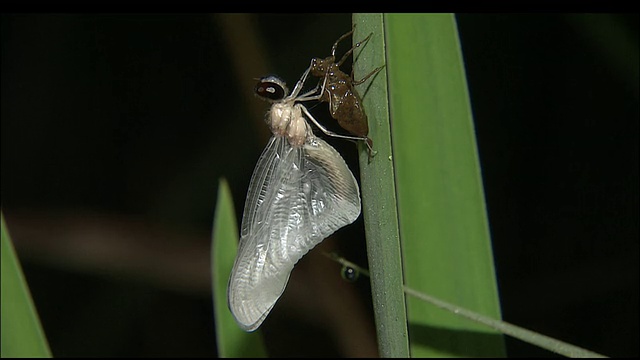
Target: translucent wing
[(297, 197)]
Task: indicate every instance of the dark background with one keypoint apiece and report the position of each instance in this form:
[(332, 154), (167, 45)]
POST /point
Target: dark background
[(116, 129)]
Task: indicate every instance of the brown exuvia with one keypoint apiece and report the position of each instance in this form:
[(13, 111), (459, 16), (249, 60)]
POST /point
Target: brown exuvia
[(339, 91)]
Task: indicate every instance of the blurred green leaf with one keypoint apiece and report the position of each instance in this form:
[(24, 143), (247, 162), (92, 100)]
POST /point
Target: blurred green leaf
[(232, 341), (22, 334)]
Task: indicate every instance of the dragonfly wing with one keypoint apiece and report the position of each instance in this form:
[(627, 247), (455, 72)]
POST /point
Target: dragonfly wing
[(297, 197)]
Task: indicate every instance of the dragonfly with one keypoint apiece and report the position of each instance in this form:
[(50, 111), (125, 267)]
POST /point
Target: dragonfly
[(301, 191)]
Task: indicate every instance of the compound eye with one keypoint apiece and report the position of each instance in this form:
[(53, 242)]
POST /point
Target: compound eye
[(271, 88)]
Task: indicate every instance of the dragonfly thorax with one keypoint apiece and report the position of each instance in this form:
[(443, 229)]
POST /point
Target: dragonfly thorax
[(286, 119)]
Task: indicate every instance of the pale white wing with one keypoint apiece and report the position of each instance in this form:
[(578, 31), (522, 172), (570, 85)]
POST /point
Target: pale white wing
[(297, 197)]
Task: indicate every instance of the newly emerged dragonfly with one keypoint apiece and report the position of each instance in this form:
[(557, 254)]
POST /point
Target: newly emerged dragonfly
[(338, 89), (301, 191)]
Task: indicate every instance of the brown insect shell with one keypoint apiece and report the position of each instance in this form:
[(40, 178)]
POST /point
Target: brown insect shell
[(345, 103)]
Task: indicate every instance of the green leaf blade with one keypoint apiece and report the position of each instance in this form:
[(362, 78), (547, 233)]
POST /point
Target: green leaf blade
[(22, 334), (443, 225), (232, 341), (379, 195)]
